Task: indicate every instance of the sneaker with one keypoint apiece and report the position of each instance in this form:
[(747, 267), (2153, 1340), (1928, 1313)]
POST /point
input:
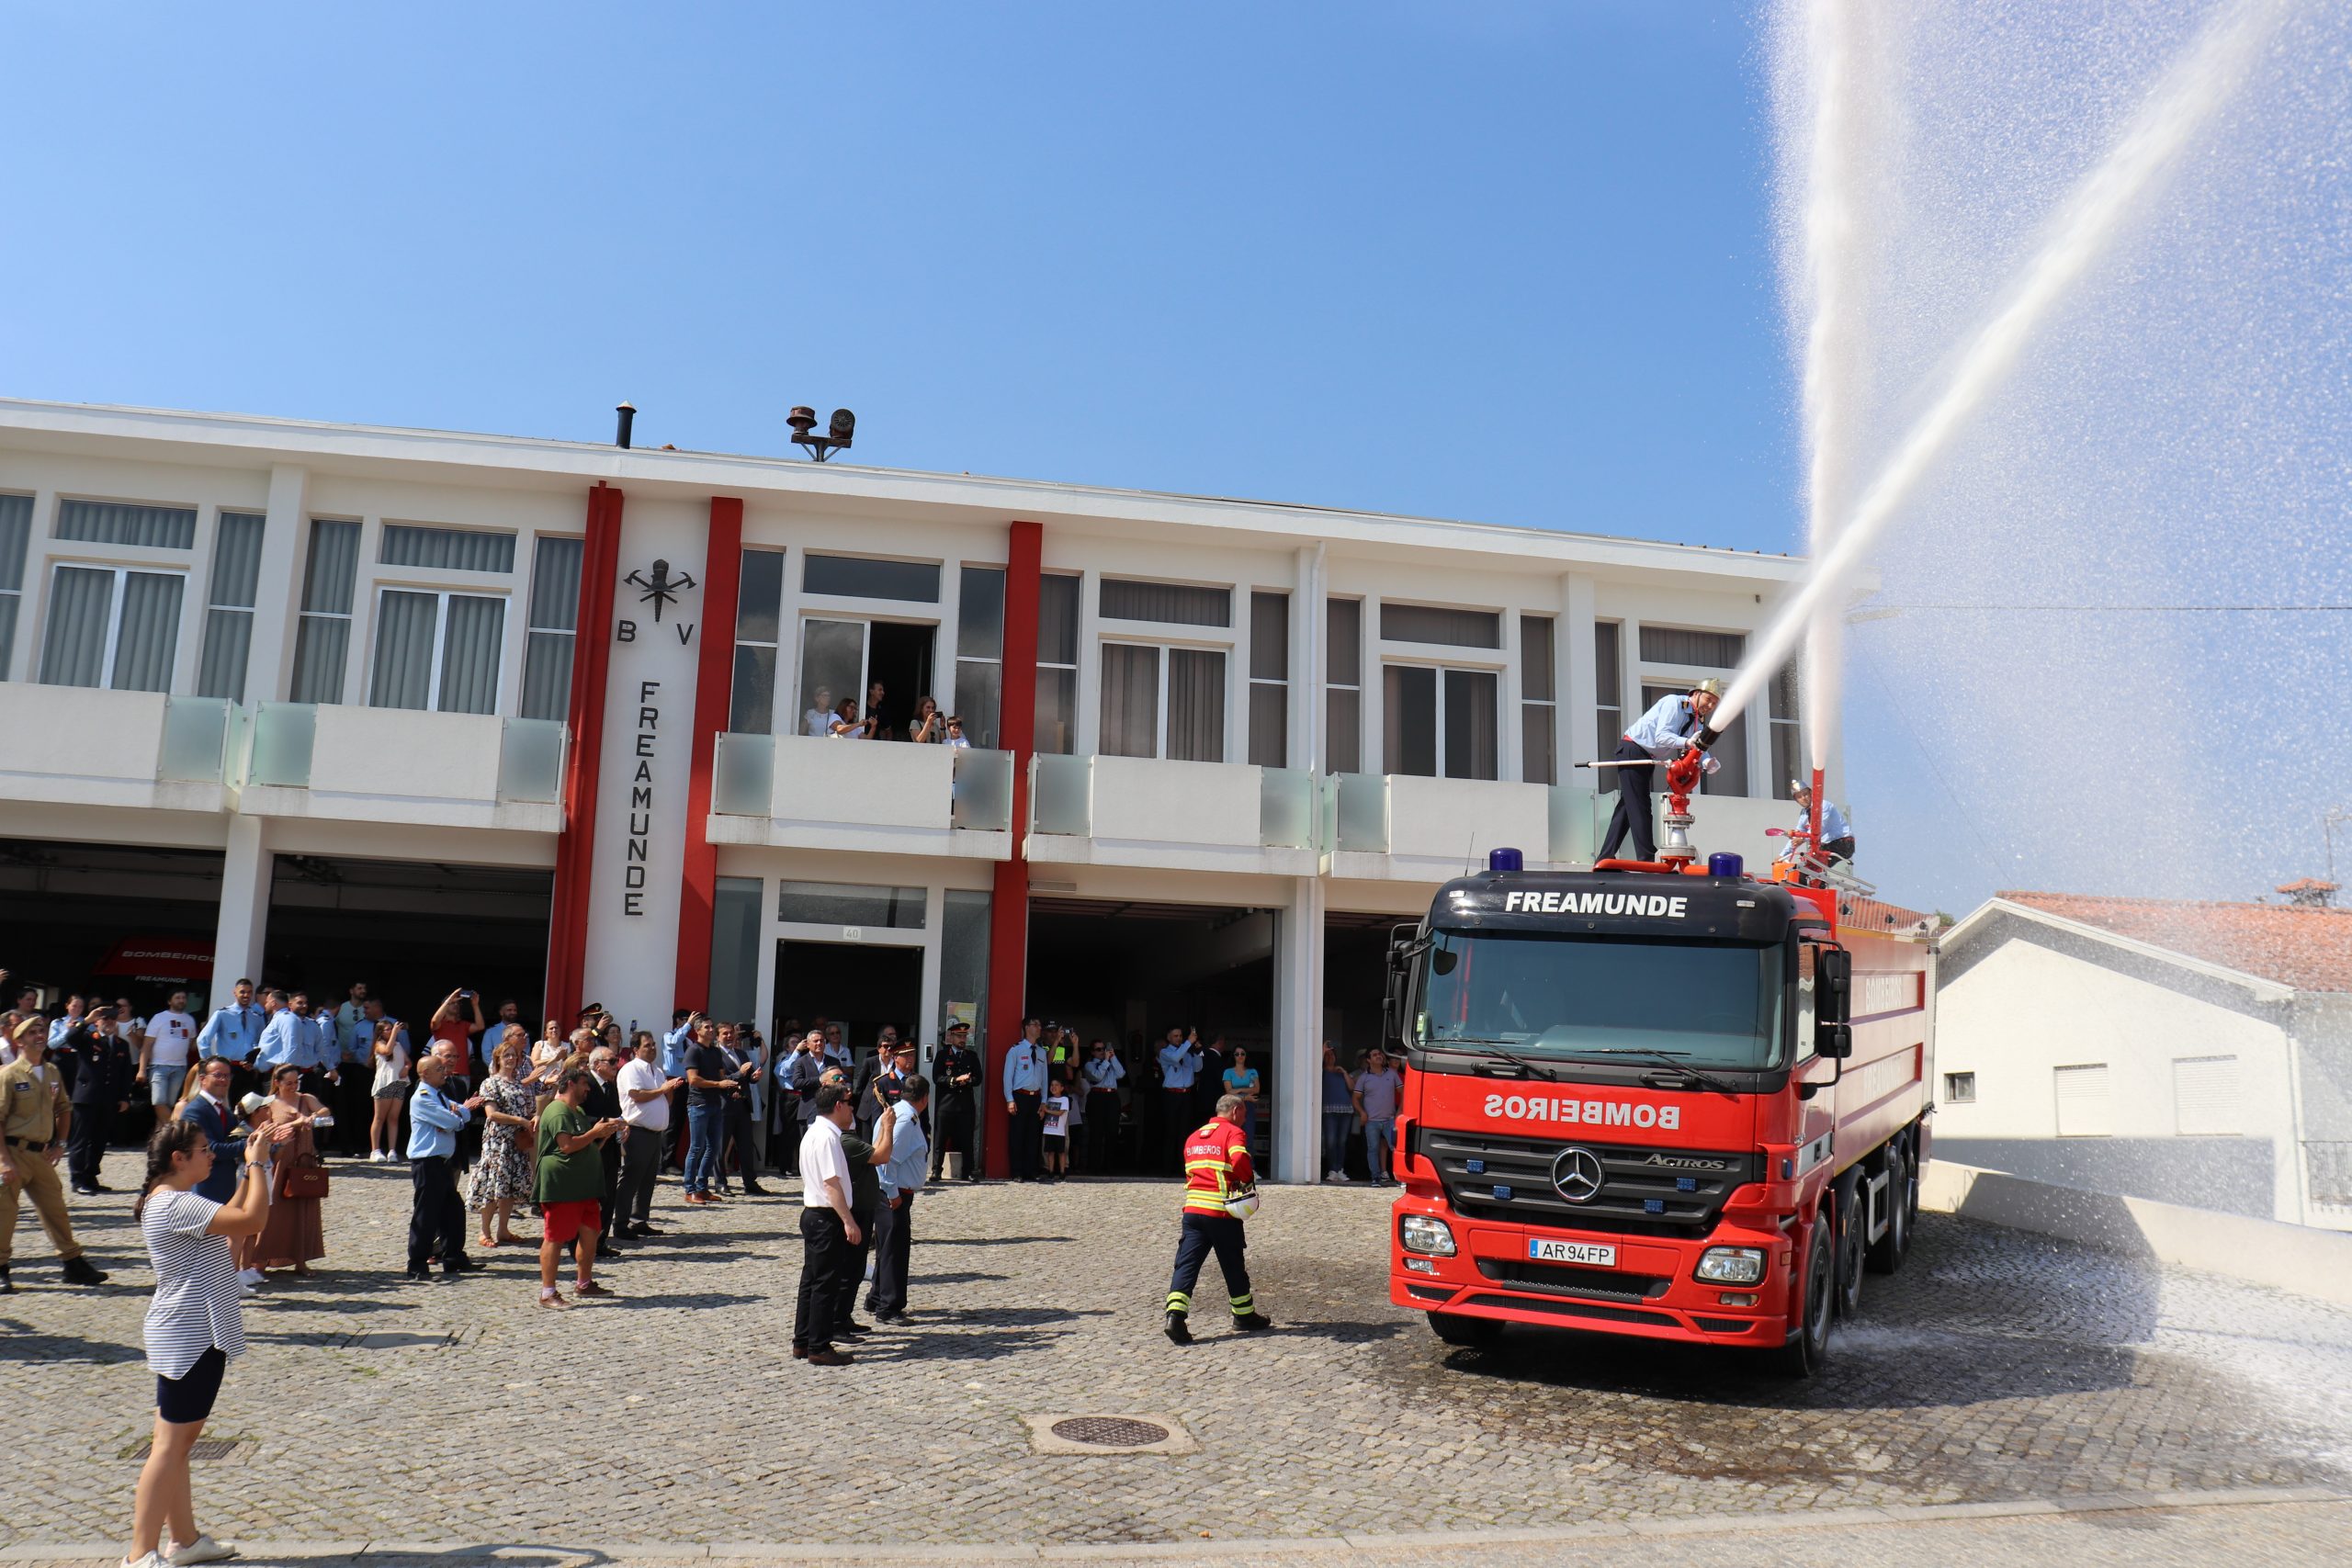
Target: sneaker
[(203, 1549), (1339, 1176), (1179, 1331), (249, 1277), (146, 1560)]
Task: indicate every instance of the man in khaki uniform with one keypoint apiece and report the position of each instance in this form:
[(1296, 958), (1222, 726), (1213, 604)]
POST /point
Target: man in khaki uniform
[(33, 1123)]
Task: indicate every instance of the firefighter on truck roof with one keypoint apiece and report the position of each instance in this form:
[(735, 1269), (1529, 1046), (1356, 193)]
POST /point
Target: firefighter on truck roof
[(1220, 1193), (1670, 728)]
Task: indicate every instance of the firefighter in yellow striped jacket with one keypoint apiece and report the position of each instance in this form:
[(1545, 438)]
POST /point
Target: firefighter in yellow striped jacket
[(1220, 1193)]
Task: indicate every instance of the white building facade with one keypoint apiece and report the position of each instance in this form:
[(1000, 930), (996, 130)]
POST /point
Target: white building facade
[(2194, 1053), (328, 703)]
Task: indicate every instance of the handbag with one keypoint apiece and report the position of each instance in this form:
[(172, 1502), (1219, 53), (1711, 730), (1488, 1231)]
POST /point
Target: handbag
[(305, 1177)]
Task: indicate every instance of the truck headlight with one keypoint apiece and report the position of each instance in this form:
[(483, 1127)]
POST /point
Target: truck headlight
[(1419, 1233), (1731, 1265)]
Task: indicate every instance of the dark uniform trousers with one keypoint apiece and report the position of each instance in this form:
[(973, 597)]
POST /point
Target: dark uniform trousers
[(1632, 813), (1027, 1143), (1102, 1130), (953, 1117), (894, 1238), (436, 1219), (852, 1274), (825, 1264), (86, 1142), (1205, 1234)]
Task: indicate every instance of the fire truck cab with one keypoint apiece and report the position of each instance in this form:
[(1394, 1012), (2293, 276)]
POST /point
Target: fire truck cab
[(1685, 1106)]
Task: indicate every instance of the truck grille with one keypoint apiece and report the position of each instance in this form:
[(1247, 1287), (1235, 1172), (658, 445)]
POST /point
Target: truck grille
[(1638, 1197), (1568, 1279)]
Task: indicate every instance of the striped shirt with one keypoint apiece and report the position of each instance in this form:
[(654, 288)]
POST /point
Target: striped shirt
[(197, 1303)]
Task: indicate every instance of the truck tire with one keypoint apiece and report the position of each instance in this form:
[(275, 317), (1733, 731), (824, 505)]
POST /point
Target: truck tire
[(1808, 1347), (1472, 1333), (1853, 1244), (1889, 1250)]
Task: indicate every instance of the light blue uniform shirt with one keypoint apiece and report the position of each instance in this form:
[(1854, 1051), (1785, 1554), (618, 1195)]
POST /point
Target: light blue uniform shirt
[(902, 1173), (1024, 1069), (285, 1038), (1104, 1073), (354, 1038), (59, 1029), (432, 1124), (233, 1032), (325, 1054), (674, 1050), (1833, 822), (1178, 1066), (1665, 729)]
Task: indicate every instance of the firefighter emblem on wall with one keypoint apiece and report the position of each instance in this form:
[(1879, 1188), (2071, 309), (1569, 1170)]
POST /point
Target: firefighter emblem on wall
[(661, 589)]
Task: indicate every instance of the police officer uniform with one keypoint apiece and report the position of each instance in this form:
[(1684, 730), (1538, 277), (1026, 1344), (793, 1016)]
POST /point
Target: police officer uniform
[(32, 1096), (1216, 1171), (955, 1102)]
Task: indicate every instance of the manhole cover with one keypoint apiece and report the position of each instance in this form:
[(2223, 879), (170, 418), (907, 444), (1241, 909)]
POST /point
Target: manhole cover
[(1109, 1431), (1091, 1432), (203, 1448)]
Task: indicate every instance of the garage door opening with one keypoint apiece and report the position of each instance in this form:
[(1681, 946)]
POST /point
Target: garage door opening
[(415, 931), (124, 919), (860, 986), (1355, 970), (1128, 972)]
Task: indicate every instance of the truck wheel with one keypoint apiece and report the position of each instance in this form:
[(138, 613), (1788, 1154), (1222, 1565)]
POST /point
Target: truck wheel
[(1474, 1332), (1808, 1347), (1888, 1251), (1853, 1245)]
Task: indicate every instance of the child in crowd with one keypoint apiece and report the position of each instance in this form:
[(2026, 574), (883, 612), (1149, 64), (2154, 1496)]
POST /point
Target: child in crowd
[(1055, 1141)]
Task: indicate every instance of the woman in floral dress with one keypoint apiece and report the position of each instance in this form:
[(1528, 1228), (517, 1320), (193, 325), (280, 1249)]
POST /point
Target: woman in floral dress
[(502, 1176)]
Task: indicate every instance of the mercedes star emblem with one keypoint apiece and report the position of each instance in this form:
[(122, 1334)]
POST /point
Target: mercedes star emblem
[(1576, 1174)]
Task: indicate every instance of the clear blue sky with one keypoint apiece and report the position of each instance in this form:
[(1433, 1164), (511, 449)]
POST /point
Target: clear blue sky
[(1502, 260)]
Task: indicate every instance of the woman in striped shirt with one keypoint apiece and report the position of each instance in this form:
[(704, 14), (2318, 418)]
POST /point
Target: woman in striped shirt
[(194, 1324)]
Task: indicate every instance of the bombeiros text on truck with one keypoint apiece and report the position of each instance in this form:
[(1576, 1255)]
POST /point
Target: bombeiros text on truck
[(1660, 1098)]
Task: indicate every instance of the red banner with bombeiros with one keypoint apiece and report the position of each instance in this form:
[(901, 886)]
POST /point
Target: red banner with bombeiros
[(160, 958)]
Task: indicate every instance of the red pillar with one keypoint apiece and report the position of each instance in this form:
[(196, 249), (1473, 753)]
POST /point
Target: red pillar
[(714, 681), (592, 658), (1009, 909)]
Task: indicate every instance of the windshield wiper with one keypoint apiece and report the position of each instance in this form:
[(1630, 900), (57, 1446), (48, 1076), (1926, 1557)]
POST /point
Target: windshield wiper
[(1494, 1047), (1672, 1059)]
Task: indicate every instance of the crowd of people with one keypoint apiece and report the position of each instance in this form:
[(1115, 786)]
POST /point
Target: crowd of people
[(241, 1111)]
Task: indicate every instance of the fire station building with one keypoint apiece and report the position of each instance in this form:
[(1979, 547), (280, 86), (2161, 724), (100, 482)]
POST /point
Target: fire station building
[(316, 702)]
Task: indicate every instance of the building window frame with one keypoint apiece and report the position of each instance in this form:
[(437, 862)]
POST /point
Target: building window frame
[(119, 573), (748, 649), (1539, 716), (1959, 1088), (1392, 731), (441, 610), (1339, 695), (1164, 651), (1269, 681), (325, 685)]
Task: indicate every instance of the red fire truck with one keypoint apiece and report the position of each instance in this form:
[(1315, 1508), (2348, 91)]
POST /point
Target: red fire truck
[(1668, 1101)]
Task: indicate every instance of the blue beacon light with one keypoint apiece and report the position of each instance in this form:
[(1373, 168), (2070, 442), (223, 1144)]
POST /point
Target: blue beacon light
[(1722, 863), (1508, 860)]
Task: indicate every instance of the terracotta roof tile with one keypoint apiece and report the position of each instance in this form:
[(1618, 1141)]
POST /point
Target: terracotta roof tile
[(2310, 949)]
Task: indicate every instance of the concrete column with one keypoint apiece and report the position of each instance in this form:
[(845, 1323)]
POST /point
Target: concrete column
[(277, 595), (245, 905), (1578, 675), (1306, 664), (1298, 1033)]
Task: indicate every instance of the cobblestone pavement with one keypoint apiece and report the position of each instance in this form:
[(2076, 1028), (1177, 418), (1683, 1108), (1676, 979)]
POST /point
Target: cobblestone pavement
[(1997, 1367)]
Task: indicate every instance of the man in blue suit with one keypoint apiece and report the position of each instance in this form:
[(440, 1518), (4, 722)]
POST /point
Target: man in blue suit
[(209, 1108)]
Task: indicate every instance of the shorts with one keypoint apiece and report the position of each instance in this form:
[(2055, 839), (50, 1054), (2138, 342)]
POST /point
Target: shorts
[(163, 1083), (183, 1400), (1054, 1142), (392, 1092), (558, 1223)]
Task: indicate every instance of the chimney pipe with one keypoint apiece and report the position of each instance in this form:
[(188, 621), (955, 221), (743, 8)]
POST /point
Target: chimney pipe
[(628, 417)]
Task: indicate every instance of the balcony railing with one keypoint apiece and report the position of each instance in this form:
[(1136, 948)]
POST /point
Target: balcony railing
[(802, 784)]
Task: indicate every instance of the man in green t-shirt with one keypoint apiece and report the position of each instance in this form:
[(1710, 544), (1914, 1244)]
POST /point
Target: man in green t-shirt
[(570, 1185)]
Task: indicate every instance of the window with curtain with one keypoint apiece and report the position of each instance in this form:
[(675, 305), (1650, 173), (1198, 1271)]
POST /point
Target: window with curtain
[(858, 577), (1675, 645), (447, 549), (323, 629), (979, 695), (759, 617), (1608, 688), (1538, 702), (1269, 680), (1730, 753), (115, 523), (228, 617), (1163, 702), (1057, 664), (1788, 737), (1429, 623), (1343, 687), (1172, 603), (112, 627), (1439, 723), (16, 529), (437, 651), (553, 631)]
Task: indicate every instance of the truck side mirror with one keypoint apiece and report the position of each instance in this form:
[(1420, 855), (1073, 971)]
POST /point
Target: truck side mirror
[(1833, 1042), (1833, 986)]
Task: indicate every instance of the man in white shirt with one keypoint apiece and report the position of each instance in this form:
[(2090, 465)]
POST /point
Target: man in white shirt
[(828, 1233), (644, 1111), (164, 1055)]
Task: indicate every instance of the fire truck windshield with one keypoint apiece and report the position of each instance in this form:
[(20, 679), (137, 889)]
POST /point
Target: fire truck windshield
[(1593, 998)]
